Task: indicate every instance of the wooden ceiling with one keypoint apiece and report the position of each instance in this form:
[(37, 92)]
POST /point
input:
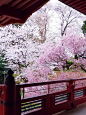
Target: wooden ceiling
[(17, 11), (79, 5)]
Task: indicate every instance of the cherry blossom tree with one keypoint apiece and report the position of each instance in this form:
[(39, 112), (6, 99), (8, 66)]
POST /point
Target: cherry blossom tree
[(75, 44), (19, 48), (67, 18), (53, 55), (39, 23)]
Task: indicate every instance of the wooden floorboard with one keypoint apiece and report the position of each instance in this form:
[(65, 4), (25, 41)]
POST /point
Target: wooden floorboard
[(79, 110)]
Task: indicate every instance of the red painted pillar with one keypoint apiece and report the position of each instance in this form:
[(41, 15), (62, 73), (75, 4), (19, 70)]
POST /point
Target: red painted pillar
[(18, 100), (84, 92), (70, 87), (1, 98), (9, 99)]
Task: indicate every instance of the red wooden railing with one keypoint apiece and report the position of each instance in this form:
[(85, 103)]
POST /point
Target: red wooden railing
[(58, 95), (45, 98)]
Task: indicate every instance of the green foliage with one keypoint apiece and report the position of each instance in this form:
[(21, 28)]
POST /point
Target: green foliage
[(15, 75), (17, 24), (68, 64), (17, 82), (84, 28), (25, 79), (67, 70), (3, 67), (22, 65), (55, 69)]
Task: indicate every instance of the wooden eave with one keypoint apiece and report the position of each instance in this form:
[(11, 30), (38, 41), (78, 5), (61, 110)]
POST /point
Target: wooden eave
[(17, 11), (79, 5)]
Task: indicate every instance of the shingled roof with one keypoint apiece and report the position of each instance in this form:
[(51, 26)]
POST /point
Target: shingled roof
[(17, 11)]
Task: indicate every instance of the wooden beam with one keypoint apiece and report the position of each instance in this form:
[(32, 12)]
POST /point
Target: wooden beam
[(2, 2), (65, 1), (22, 3), (2, 18), (81, 9), (9, 21), (72, 3), (30, 4), (4, 21), (34, 7), (79, 4), (12, 4), (9, 11)]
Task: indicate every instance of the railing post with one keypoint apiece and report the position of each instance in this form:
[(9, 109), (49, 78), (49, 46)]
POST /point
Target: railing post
[(48, 88), (1, 98), (9, 99), (70, 96), (84, 92), (18, 99)]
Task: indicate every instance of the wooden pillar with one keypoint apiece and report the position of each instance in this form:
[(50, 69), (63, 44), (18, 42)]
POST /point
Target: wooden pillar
[(9, 99), (18, 100), (70, 96), (84, 92), (1, 98)]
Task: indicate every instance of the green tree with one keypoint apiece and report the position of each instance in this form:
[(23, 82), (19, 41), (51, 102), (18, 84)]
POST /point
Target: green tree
[(84, 28), (3, 67)]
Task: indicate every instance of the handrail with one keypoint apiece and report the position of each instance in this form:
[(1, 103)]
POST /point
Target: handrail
[(48, 82), (55, 99), (49, 97)]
